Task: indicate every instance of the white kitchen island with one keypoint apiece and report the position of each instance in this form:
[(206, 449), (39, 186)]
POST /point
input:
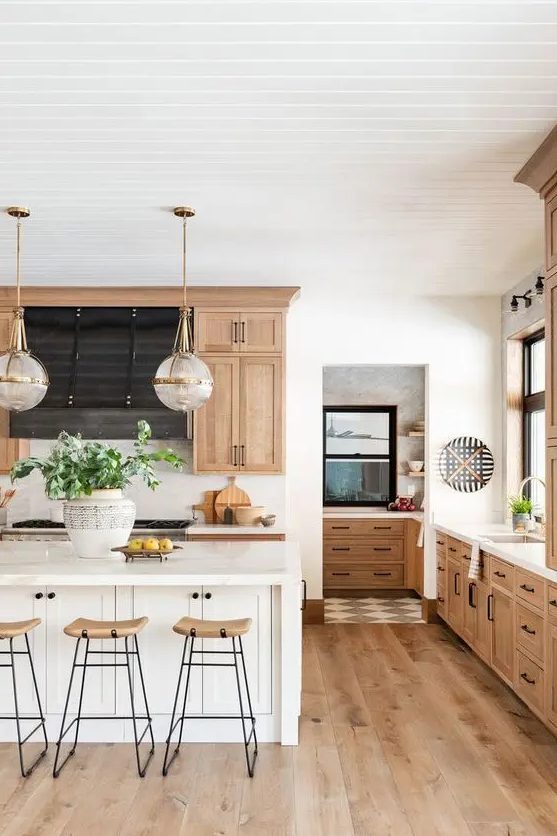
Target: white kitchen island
[(203, 580)]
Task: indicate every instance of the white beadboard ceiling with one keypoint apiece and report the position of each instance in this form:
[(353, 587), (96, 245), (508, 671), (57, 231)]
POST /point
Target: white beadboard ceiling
[(342, 144)]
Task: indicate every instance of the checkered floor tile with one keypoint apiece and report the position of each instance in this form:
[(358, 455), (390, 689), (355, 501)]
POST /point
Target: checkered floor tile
[(373, 610)]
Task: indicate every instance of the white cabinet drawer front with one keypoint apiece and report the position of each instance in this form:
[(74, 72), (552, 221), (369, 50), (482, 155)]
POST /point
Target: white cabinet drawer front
[(161, 648), (66, 604), (220, 693), (20, 604)]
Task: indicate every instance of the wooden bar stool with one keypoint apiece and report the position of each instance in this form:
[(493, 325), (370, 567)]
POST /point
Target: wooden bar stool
[(84, 628), (196, 628), (8, 632)]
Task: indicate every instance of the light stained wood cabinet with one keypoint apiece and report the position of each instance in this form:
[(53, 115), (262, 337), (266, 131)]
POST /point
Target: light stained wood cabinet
[(255, 332), (551, 675), (482, 638), (455, 599), (11, 449), (551, 503), (551, 232), (241, 428), (502, 634)]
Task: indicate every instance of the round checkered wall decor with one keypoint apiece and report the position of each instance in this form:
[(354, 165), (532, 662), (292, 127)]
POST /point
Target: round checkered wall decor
[(466, 464)]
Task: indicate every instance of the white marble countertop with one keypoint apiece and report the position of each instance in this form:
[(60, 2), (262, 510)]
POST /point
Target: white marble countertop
[(31, 563), (220, 528), (331, 513), (529, 556)]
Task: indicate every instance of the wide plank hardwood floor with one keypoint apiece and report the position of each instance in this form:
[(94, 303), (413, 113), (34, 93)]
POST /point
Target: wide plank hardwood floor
[(404, 731)]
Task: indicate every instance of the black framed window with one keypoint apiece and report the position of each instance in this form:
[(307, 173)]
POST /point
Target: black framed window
[(359, 455), (534, 415)]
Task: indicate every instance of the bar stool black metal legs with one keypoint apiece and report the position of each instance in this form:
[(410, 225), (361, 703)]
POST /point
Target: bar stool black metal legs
[(89, 630), (192, 629), (8, 632)]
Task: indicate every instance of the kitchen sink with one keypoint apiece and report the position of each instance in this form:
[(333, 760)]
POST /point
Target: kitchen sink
[(511, 538)]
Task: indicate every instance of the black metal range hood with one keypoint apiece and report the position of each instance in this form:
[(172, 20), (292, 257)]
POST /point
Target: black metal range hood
[(100, 362)]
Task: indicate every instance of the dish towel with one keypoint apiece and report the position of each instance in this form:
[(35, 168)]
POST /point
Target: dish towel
[(420, 540), (475, 564)]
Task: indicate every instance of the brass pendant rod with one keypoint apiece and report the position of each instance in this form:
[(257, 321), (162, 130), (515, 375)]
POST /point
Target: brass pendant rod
[(184, 225), (17, 253)]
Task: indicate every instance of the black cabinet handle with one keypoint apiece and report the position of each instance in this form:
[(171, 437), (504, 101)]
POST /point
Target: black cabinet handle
[(553, 602), (235, 455), (242, 455), (440, 542), (340, 527), (490, 607), (527, 630), (340, 573), (382, 527), (243, 332), (527, 588), (440, 599), (195, 595), (452, 549), (382, 548), (499, 574), (341, 548), (527, 679), (382, 574), (51, 595), (440, 568), (305, 598), (39, 595), (471, 602), (208, 595), (456, 583), (234, 332)]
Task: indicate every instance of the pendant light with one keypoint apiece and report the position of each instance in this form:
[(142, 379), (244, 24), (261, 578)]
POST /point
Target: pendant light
[(23, 378), (183, 382)]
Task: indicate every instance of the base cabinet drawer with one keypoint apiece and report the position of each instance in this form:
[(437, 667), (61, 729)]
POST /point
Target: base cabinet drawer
[(502, 574), (377, 576), (530, 588), (529, 683), (376, 550), (530, 631), (552, 603), (363, 528)]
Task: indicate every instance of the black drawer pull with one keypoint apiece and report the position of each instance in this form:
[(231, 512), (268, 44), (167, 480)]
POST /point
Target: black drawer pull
[(499, 574), (39, 595), (490, 607), (340, 527), (341, 548), (382, 548), (440, 542), (553, 602), (440, 568), (340, 573), (527, 588), (527, 679), (440, 599), (382, 574), (527, 630), (452, 549), (51, 595), (382, 527)]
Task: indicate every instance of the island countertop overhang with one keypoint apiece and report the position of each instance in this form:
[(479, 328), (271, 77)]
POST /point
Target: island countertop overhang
[(206, 564)]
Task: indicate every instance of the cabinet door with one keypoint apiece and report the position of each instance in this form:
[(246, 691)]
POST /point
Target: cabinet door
[(261, 332), (161, 648), (216, 437), (220, 693), (217, 332), (455, 600), (66, 604), (551, 504), (550, 296), (551, 674), (19, 604), (551, 233), (482, 642), (261, 415), (11, 449), (469, 616), (502, 634)]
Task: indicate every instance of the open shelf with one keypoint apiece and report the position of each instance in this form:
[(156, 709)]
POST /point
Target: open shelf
[(416, 473), (416, 434)]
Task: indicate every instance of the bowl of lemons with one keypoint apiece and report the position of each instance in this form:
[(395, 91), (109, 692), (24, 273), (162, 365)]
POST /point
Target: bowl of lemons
[(147, 547)]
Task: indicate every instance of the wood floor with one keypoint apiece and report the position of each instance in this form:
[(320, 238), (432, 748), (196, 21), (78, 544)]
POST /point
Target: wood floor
[(404, 732)]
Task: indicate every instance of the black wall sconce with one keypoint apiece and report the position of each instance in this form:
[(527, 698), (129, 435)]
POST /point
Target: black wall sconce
[(527, 295)]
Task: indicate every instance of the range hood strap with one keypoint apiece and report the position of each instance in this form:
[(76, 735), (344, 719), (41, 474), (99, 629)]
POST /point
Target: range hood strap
[(75, 359), (131, 357)]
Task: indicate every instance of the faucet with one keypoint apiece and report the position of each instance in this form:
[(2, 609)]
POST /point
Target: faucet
[(521, 488)]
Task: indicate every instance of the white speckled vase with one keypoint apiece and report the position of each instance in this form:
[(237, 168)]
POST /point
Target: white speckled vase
[(99, 522)]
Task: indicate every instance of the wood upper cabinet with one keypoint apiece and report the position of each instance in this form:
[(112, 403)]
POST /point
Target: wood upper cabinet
[(551, 231), (11, 449), (261, 414), (254, 332), (502, 634), (241, 426), (551, 357)]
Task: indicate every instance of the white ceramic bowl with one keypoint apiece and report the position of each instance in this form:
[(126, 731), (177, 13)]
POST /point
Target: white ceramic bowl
[(415, 466)]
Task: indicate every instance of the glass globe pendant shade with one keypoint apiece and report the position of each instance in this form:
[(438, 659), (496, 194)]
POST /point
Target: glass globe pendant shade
[(23, 378), (183, 382)]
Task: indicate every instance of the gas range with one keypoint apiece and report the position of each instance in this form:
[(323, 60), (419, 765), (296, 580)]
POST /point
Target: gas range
[(49, 530)]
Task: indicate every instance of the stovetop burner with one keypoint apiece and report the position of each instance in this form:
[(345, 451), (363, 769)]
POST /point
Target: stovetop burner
[(151, 524)]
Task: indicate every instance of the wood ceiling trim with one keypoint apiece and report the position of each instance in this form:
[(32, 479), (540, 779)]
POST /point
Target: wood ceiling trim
[(239, 297), (541, 166)]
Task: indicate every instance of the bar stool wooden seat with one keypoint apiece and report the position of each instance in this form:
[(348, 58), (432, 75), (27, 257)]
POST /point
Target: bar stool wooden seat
[(10, 630), (197, 628), (90, 630)]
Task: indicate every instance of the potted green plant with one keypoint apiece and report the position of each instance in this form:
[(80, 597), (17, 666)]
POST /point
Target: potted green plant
[(90, 476), (521, 509)]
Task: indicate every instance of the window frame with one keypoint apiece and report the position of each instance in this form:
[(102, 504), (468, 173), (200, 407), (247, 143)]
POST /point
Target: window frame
[(392, 455), (530, 403)]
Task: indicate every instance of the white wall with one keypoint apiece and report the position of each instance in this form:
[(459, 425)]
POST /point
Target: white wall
[(458, 339)]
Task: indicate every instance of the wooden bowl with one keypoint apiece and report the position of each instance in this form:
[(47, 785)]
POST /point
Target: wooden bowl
[(250, 515)]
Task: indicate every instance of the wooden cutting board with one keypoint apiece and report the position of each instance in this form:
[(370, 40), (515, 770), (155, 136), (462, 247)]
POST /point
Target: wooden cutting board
[(232, 496), (208, 506)]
